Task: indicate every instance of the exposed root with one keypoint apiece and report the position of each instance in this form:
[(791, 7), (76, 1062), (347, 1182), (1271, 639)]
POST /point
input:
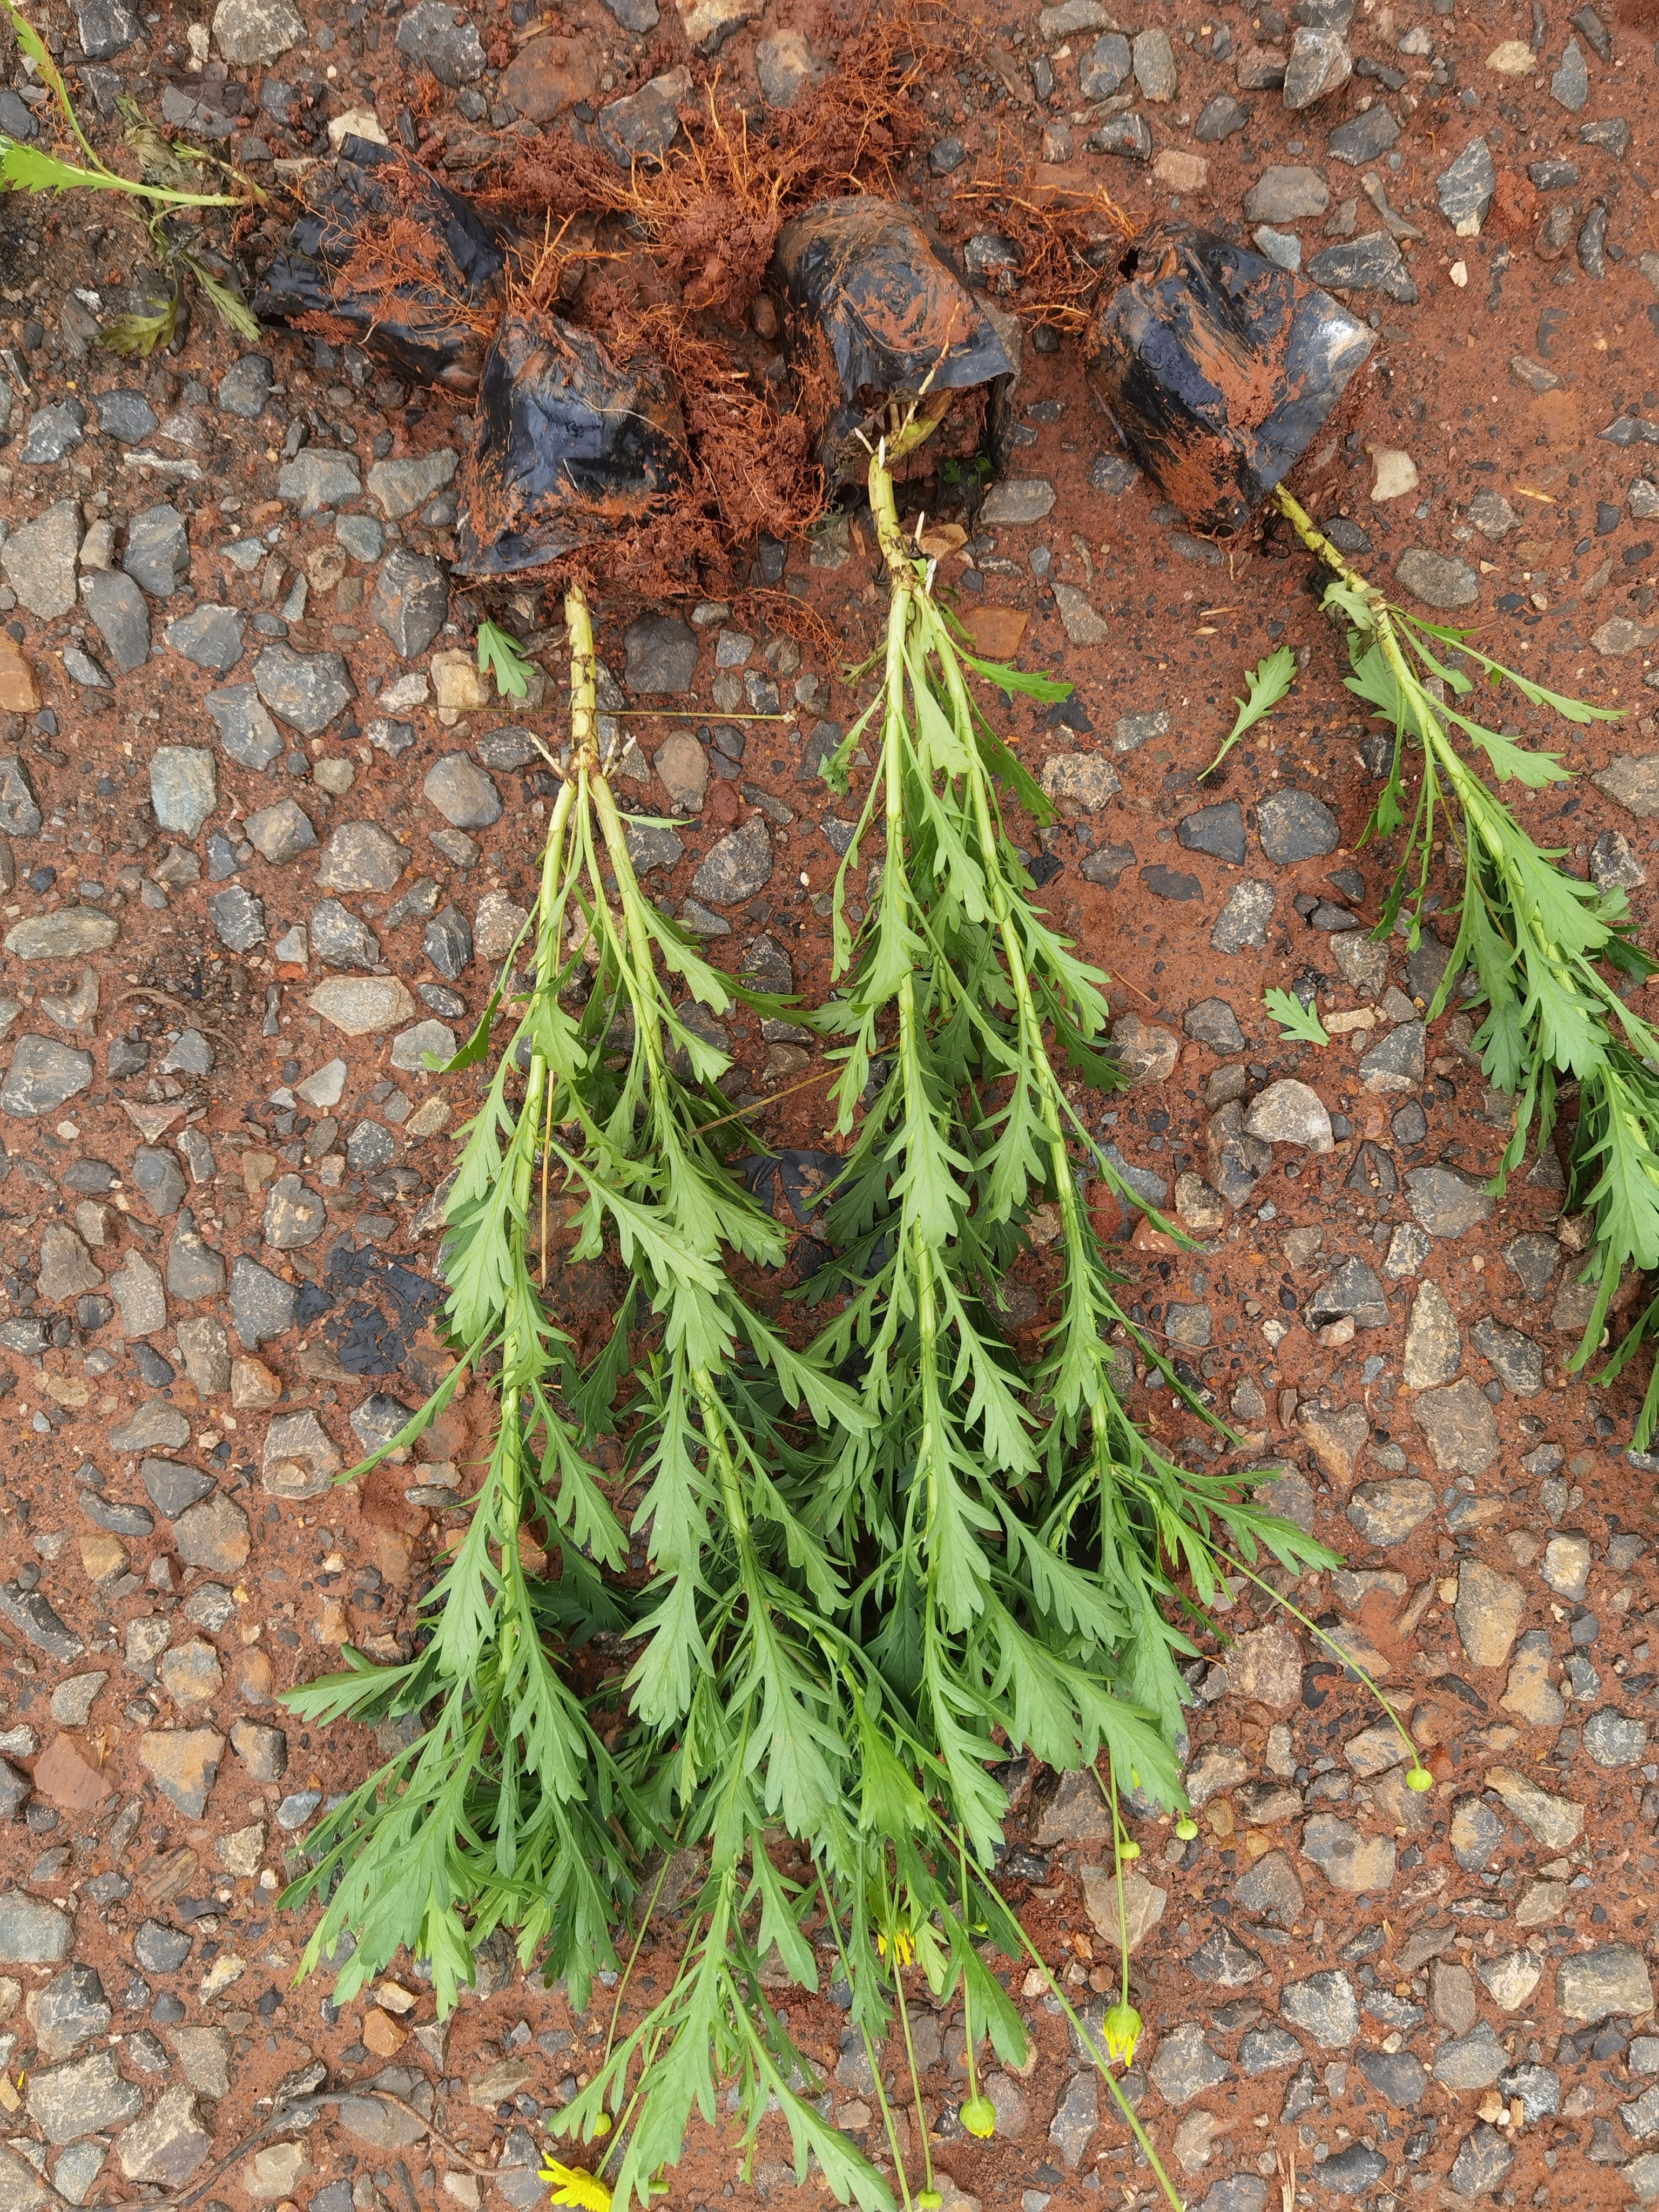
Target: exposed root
[(1067, 235)]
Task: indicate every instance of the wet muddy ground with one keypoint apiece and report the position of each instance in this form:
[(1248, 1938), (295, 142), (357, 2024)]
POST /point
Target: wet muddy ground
[(266, 836)]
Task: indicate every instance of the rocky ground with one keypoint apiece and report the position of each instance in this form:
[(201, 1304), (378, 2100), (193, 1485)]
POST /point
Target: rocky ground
[(267, 833)]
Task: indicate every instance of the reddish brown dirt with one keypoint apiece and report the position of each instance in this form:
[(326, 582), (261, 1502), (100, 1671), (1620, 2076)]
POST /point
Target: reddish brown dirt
[(100, 1841)]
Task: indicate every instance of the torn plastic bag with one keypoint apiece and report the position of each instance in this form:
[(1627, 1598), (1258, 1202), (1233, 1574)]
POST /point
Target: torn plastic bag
[(872, 314), (1218, 370), (387, 257), (571, 445)]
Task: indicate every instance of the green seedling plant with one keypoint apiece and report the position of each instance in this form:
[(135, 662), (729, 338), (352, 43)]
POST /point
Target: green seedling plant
[(1265, 685), (155, 196), (508, 1808), (1548, 953), (1294, 1019), (502, 657)]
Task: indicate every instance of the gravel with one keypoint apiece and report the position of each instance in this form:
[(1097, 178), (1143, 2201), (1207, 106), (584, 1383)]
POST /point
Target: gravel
[(119, 610)]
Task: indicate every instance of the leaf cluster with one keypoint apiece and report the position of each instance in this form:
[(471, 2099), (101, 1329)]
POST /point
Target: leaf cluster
[(1547, 955)]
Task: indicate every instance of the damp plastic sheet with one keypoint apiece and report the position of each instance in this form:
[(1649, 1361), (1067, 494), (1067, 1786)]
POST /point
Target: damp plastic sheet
[(1219, 370), (571, 447), (873, 314), (388, 256)]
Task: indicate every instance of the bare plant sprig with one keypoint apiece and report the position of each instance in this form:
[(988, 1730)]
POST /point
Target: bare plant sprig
[(1540, 942)]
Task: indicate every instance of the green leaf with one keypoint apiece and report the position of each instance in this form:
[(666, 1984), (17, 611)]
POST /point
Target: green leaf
[(1265, 684), (141, 334), (501, 655), (1294, 1019)]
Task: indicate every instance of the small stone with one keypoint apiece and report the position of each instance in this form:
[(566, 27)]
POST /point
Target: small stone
[(1471, 2062), (1290, 1113), (1264, 1666), (1387, 1513), (52, 432), (1324, 2006), (1213, 1022), (1357, 1865), (366, 1008), (169, 2144), (1606, 1984), (360, 856), (306, 691), (1287, 194), (1465, 188), (1513, 1357), (401, 487), (1477, 1835), (1397, 1064), (281, 832), (246, 730), (69, 2011), (1398, 2078), (426, 1040), (1085, 780), (1146, 1052), (248, 32), (1294, 825), (1530, 1694), (1354, 2171), (1511, 1977), (1016, 502), (1569, 86), (662, 655), (1319, 62), (1078, 618), (410, 601), (737, 867), (213, 1536), (1621, 636), (137, 1289), (1217, 830), (1557, 1822), (117, 609), (1155, 66), (191, 1672), (84, 2097), (1461, 1429), (495, 926), (157, 556), (1076, 2119), (682, 766), (210, 635), (1372, 264), (1184, 2066), (783, 67), (245, 385), (340, 939), (1243, 918), (183, 786), (38, 561), (1272, 1889), (261, 1749), (1352, 1292), (1436, 580), (463, 793), (1446, 1203), (1488, 1611), (32, 1932), (300, 1458), (1613, 1740), (1434, 1350), (294, 1215), (1337, 1435), (184, 1762), (238, 918), (1220, 118)]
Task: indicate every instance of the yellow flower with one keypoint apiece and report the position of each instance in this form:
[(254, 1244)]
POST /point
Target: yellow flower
[(1121, 2031), (979, 2117), (904, 1948), (574, 2186)]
